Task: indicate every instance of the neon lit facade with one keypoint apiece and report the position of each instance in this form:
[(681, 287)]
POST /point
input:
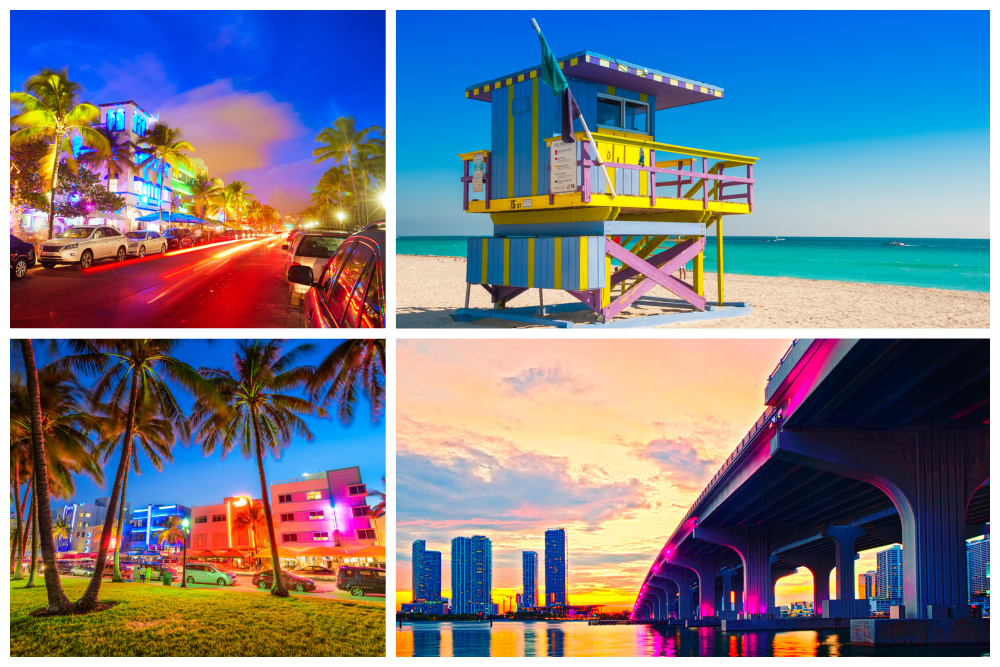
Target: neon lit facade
[(84, 519), (147, 524)]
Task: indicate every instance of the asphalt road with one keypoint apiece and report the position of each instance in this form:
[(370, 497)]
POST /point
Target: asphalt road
[(239, 284)]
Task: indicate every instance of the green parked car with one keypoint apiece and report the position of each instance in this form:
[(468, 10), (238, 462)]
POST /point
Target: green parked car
[(207, 573)]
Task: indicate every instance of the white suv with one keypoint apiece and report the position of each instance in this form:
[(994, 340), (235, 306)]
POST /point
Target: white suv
[(84, 245), (311, 249)]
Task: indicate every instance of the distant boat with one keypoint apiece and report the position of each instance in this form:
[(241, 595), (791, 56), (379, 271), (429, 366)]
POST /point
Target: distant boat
[(773, 240), (895, 242)]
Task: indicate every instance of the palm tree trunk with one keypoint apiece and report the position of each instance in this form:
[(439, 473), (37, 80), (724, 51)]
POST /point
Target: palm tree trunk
[(91, 596), (58, 602), (33, 568), (22, 541), (17, 531), (278, 588), (53, 181), (117, 576)]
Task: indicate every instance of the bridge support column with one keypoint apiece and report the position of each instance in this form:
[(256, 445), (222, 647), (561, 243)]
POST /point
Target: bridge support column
[(754, 544), (706, 568), (659, 607), (930, 476), (820, 566), (684, 578), (727, 609)]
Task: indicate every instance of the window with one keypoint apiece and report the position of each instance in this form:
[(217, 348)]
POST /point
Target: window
[(86, 523), (320, 537), (318, 246), (216, 518), (290, 516), (241, 539), (622, 114), (333, 269), (315, 514), (220, 540), (356, 302), (357, 490), (367, 534), (371, 316), (364, 510), (199, 540), (201, 519), (286, 498), (289, 537), (348, 279), (87, 514)]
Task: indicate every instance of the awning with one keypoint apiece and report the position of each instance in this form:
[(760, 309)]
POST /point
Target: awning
[(324, 551), (370, 550), (229, 553)]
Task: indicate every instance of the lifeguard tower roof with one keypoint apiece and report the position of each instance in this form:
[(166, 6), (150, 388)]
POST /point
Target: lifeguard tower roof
[(669, 90)]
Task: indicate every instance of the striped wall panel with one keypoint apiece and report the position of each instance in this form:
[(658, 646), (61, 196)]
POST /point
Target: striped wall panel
[(567, 262)]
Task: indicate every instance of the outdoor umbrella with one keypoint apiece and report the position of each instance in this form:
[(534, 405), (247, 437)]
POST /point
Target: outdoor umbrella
[(229, 553), (201, 552), (105, 215)]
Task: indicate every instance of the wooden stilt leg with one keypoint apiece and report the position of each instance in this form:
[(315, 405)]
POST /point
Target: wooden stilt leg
[(541, 302), (468, 292), (699, 277), (718, 253)]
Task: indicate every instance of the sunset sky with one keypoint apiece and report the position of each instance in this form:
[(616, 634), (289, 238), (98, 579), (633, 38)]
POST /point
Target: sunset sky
[(612, 440), (250, 90)]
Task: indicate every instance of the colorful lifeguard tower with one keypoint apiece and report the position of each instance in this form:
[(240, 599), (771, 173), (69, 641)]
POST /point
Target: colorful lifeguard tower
[(557, 224)]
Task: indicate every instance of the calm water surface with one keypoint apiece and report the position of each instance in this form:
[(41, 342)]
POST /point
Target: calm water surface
[(516, 639)]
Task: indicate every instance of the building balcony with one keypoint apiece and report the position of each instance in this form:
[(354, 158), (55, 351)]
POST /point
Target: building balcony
[(653, 182)]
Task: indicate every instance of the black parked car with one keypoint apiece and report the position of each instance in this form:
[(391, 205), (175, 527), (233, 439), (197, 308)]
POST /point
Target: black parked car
[(361, 580), (22, 257), (229, 234), (265, 579), (178, 238), (350, 290), (316, 571)]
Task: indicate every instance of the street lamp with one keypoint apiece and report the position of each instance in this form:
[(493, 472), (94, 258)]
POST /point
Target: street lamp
[(184, 565)]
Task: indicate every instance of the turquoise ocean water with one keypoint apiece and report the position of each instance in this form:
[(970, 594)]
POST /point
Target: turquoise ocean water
[(958, 264)]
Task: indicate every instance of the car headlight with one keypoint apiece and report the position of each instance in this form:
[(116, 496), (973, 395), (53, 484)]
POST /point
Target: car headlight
[(70, 246)]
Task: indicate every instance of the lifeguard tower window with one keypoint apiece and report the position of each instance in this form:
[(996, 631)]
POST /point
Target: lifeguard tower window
[(622, 114)]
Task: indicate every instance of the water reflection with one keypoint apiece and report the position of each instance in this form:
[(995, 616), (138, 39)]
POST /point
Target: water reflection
[(538, 638)]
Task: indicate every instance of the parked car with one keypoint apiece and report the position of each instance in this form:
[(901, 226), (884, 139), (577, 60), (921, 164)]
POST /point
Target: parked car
[(315, 571), (360, 580), (178, 238), (82, 570), (350, 290), (84, 245), (22, 257), (145, 242), (229, 234), (209, 573), (64, 566), (265, 579), (312, 249)]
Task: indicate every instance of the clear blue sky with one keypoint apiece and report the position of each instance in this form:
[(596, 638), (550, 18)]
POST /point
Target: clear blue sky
[(250, 89), (194, 479), (865, 123)]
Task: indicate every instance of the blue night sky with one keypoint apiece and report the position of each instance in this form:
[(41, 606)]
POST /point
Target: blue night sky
[(852, 114), (193, 479), (250, 90)]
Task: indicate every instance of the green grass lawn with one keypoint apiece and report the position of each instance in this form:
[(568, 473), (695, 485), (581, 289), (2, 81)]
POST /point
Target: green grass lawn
[(169, 621)]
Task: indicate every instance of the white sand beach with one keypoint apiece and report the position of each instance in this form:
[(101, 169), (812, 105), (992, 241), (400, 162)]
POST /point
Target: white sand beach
[(429, 289)]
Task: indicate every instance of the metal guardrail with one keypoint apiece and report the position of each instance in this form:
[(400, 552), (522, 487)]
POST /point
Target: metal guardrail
[(782, 360)]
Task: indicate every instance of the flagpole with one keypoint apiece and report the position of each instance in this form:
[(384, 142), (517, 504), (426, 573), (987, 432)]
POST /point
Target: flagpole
[(590, 138)]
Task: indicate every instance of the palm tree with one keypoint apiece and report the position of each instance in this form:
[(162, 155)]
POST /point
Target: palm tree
[(121, 368), (172, 533), (354, 366), (241, 198), (251, 518), (164, 143), (58, 603), (48, 109), (117, 158), (224, 202), (260, 418), (204, 191), (60, 530), (343, 143), (152, 435), (378, 510)]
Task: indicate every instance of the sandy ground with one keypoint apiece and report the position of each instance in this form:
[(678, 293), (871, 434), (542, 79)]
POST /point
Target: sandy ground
[(429, 289)]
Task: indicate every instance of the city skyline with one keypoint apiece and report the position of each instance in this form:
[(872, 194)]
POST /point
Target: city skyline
[(251, 107), (818, 123)]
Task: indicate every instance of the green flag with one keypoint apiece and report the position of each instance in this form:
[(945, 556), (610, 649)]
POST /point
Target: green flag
[(551, 74)]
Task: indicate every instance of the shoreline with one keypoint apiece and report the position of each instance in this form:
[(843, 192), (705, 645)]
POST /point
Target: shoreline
[(754, 275), (429, 288)]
